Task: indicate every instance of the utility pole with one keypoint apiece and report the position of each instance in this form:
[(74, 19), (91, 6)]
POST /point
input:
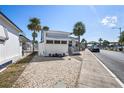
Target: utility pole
[(120, 33), (120, 28)]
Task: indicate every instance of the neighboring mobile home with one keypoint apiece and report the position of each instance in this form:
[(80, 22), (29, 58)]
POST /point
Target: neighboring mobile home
[(26, 44), (54, 43), (10, 47), (73, 46)]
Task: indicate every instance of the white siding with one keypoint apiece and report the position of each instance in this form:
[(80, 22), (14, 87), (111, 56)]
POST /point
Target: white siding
[(56, 48), (56, 35), (10, 49), (41, 49), (46, 49)]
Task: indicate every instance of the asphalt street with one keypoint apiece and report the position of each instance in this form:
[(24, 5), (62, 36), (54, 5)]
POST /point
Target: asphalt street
[(113, 61)]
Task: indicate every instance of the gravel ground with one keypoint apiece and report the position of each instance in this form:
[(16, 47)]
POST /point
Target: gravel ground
[(50, 72)]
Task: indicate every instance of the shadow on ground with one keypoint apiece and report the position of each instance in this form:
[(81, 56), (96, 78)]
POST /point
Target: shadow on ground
[(43, 59), (77, 57)]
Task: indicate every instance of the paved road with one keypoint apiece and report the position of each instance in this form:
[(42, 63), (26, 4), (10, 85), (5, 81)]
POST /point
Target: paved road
[(114, 61)]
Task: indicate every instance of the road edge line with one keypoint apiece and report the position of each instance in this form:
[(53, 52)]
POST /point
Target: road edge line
[(111, 73)]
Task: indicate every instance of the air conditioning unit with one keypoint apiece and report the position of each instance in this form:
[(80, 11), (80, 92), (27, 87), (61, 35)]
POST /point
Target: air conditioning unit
[(3, 33)]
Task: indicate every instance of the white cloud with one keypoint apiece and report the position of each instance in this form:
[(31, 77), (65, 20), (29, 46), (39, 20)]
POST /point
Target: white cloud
[(110, 21)]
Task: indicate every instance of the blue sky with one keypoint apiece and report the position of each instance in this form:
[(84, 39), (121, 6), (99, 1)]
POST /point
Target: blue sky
[(98, 20)]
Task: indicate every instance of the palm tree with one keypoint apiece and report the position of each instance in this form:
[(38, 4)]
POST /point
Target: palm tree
[(121, 38), (45, 28), (100, 41), (34, 34), (83, 40), (105, 43), (78, 30), (34, 25), (93, 42)]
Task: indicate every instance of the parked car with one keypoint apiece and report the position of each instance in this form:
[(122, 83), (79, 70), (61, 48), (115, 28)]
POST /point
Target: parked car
[(94, 48), (120, 48)]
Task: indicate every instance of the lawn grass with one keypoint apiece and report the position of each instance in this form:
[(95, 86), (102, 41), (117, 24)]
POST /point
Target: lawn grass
[(13, 71)]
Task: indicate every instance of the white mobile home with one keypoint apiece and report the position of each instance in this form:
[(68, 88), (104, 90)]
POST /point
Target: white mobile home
[(26, 44), (54, 42), (10, 48)]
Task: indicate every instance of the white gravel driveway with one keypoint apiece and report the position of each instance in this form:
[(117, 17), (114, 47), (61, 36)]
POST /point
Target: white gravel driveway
[(50, 72)]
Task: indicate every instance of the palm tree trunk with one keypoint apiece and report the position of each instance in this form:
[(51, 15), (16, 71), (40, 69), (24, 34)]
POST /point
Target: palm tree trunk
[(41, 35), (100, 44), (33, 41), (79, 42), (85, 44)]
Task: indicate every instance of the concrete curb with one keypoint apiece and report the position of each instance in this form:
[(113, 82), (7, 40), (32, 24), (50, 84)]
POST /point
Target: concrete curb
[(111, 73), (76, 84)]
